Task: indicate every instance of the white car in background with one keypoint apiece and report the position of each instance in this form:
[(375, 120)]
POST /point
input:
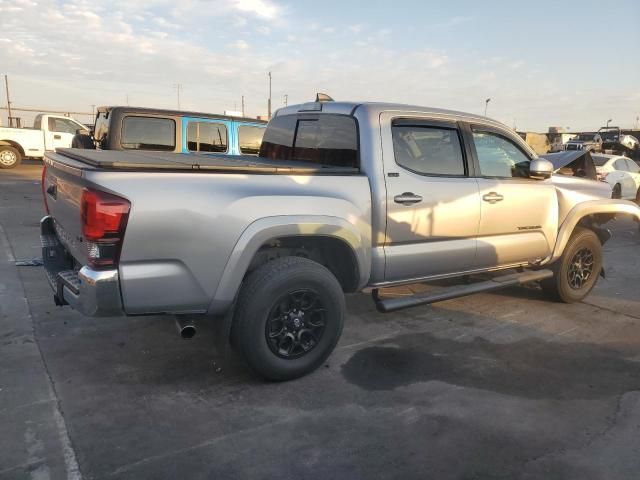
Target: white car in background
[(622, 173)]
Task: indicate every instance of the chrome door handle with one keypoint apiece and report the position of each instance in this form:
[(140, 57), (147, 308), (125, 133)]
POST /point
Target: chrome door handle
[(407, 198), (492, 197)]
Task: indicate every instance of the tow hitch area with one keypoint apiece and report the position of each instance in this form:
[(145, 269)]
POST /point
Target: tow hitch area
[(392, 304)]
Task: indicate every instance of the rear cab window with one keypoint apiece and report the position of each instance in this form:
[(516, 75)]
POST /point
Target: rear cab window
[(148, 133), (323, 139)]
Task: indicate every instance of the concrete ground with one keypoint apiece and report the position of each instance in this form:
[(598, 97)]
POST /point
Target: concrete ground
[(500, 385)]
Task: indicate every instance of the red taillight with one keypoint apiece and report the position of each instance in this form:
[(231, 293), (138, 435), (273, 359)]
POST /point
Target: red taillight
[(104, 219), (42, 186)]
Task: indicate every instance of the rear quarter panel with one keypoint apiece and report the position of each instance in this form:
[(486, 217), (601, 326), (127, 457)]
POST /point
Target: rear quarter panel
[(183, 227)]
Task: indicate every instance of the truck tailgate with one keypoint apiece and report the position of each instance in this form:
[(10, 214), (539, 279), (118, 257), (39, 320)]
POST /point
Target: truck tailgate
[(62, 190)]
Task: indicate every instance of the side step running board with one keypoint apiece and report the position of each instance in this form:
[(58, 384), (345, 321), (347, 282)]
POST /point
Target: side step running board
[(386, 305)]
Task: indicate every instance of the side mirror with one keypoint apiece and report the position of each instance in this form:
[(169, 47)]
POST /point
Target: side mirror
[(539, 169)]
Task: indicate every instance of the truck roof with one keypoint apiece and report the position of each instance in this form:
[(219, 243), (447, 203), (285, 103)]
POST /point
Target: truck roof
[(375, 108), (175, 113)]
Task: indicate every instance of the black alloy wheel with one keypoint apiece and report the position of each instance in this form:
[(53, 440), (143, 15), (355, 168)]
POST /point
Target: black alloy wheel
[(296, 323)]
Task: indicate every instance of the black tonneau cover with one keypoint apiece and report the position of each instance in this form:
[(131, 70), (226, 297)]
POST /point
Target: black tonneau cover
[(145, 160)]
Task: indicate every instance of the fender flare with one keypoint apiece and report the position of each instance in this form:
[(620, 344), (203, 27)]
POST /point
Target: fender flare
[(265, 229), (585, 209)]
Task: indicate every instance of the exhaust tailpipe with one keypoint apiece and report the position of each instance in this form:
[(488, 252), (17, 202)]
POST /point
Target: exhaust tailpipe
[(186, 327)]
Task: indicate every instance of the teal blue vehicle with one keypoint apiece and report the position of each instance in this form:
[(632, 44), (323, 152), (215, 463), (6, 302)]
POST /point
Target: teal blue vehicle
[(135, 128), (234, 136)]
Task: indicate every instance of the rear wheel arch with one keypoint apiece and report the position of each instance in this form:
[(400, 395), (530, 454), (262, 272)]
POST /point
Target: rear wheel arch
[(334, 253), (16, 145), (331, 241)]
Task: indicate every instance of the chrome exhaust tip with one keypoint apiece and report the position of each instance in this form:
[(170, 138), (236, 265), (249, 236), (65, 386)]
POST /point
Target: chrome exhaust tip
[(186, 327)]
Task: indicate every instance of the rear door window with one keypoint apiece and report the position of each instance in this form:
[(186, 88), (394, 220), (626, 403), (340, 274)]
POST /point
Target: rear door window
[(323, 139), (250, 139), (148, 133), (428, 150), (207, 137)]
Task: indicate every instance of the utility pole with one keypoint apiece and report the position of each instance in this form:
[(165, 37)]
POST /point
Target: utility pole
[(6, 85), (637, 121), (178, 87), (286, 100), (127, 99), (243, 105), (486, 104), (269, 103)]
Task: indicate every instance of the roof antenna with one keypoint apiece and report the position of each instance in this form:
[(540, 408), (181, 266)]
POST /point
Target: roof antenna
[(323, 97)]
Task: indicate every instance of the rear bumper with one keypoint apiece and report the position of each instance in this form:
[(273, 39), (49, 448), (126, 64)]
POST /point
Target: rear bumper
[(95, 293)]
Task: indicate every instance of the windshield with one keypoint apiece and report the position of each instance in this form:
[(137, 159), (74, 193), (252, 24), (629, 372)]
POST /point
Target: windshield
[(599, 161), (609, 135), (584, 137)]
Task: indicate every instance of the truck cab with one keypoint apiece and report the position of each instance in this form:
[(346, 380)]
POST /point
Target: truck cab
[(48, 133), (132, 128)]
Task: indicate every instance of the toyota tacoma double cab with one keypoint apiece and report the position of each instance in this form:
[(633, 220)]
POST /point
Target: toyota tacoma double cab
[(343, 196)]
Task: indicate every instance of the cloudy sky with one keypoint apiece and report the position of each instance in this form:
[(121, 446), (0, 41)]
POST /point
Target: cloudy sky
[(542, 63)]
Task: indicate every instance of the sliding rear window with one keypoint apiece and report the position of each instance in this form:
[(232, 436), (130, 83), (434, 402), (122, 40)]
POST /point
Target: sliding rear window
[(323, 139), (148, 133)]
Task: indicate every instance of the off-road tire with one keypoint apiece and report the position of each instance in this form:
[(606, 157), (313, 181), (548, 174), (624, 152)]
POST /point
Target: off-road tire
[(559, 286), (10, 157), (261, 296)]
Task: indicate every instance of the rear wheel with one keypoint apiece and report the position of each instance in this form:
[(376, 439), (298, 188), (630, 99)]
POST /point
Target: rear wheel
[(577, 270), (289, 318), (10, 157)]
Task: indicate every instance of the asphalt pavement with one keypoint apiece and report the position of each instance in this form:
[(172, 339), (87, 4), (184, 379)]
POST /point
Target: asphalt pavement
[(497, 385)]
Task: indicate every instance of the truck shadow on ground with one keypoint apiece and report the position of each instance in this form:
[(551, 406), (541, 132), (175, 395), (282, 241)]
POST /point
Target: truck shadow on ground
[(531, 368)]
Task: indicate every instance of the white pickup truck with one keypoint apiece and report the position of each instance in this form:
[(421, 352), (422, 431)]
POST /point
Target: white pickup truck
[(48, 133)]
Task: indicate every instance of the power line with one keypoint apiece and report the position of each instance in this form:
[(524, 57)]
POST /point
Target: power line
[(41, 110)]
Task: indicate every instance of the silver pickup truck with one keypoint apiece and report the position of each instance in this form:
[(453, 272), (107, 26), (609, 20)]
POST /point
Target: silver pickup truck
[(343, 196)]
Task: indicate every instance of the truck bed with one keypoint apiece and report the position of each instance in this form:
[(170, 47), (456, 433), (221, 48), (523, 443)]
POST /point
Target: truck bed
[(143, 161)]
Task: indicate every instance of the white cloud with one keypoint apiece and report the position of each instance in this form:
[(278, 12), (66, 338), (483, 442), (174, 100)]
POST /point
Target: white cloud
[(355, 28), (261, 8), (240, 45)]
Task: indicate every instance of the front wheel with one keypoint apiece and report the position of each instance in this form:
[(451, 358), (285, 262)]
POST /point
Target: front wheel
[(289, 318), (9, 157), (577, 270)]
